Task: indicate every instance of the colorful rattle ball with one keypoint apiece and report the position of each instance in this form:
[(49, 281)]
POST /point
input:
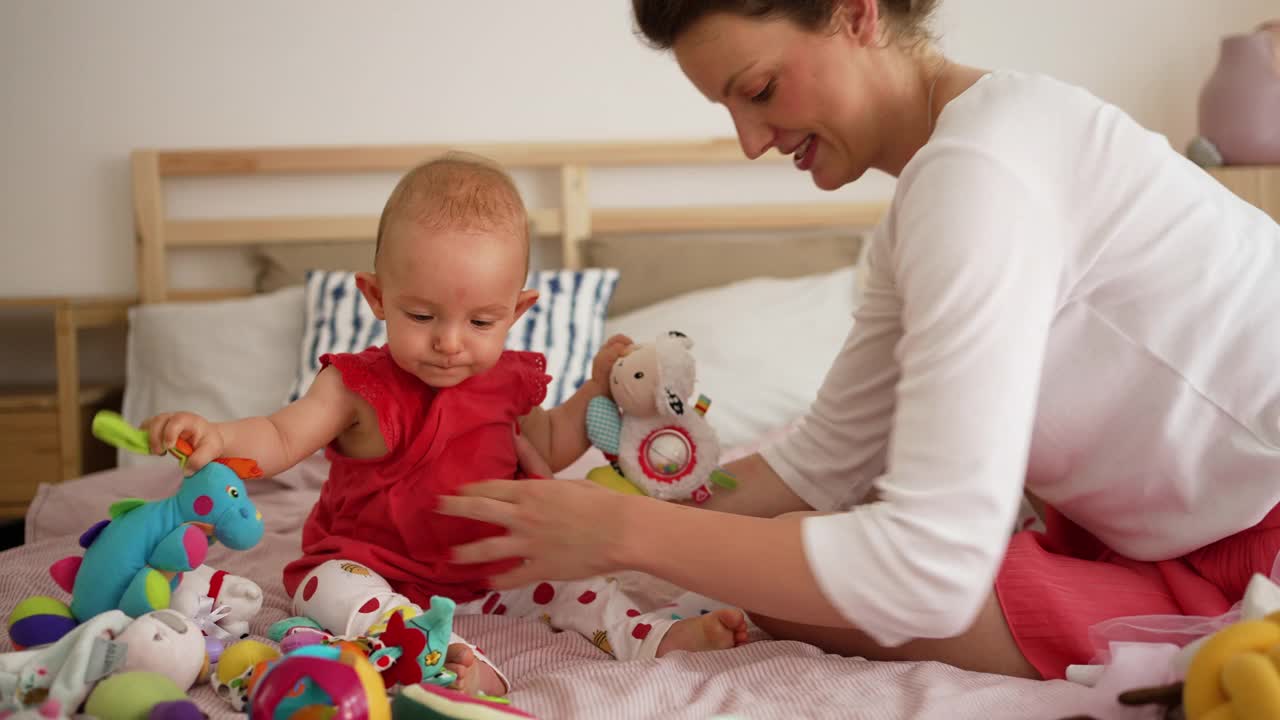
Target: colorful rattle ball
[(320, 682), (39, 620)]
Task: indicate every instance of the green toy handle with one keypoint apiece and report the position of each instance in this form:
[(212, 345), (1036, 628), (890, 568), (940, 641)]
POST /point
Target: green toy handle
[(114, 430)]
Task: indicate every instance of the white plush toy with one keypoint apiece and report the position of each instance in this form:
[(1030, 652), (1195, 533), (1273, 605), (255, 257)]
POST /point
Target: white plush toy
[(53, 680), (657, 444), (221, 604), (164, 641)]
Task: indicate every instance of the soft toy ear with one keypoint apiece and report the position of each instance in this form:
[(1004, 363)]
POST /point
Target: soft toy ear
[(681, 338), (670, 403), (676, 372)]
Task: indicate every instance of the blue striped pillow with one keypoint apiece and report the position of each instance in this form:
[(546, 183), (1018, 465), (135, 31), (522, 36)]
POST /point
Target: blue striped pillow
[(566, 324)]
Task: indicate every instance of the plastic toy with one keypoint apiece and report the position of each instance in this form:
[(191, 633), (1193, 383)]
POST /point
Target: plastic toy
[(133, 561), (239, 665), (320, 681), (656, 444)]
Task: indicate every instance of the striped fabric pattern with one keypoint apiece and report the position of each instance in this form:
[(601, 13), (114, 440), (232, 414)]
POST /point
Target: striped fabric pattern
[(566, 324)]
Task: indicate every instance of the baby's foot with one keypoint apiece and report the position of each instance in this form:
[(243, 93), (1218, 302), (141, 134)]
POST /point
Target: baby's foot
[(717, 630), (474, 677)]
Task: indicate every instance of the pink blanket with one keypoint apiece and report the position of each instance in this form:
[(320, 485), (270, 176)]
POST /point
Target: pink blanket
[(562, 675)]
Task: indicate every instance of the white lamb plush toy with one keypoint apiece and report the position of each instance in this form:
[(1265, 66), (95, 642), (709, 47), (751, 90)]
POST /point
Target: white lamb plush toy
[(216, 597)]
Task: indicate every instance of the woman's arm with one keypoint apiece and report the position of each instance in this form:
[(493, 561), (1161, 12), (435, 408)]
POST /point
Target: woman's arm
[(757, 563), (949, 350), (761, 492)]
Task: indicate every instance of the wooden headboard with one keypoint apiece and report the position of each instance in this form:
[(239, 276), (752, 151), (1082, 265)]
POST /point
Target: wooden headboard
[(572, 219)]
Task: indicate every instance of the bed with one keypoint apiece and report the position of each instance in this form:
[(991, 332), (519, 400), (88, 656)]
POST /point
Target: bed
[(733, 277)]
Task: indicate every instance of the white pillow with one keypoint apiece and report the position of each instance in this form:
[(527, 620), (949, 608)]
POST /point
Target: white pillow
[(224, 360), (763, 345), (566, 324)]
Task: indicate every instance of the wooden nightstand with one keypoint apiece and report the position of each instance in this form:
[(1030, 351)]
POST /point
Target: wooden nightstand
[(43, 430), (1257, 184)]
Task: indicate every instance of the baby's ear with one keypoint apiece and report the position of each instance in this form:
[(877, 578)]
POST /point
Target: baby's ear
[(525, 300), (367, 282)]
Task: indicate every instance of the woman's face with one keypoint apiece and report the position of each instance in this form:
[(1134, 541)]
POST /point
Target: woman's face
[(808, 94)]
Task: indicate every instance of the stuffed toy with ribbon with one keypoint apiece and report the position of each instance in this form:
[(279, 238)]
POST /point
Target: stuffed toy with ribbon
[(656, 442), (221, 604)]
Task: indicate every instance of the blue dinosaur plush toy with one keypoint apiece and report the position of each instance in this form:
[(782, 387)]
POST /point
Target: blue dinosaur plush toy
[(133, 561)]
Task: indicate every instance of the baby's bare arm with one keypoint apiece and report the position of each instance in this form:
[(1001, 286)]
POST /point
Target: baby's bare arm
[(560, 434), (276, 442), (286, 437)]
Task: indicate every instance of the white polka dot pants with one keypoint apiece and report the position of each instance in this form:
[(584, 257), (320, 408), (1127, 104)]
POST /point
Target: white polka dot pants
[(597, 609), (347, 599)]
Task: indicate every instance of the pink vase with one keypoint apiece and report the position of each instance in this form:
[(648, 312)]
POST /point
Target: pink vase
[(1240, 103)]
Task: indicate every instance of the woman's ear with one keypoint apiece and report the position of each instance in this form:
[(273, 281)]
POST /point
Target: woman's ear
[(859, 19), (524, 301), (372, 291)]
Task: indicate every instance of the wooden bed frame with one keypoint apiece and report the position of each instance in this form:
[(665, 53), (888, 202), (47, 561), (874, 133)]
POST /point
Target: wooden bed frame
[(572, 220)]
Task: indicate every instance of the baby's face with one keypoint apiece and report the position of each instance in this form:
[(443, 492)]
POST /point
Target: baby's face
[(448, 298)]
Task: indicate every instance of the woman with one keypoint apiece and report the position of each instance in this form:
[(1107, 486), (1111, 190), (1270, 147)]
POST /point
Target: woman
[(1056, 301)]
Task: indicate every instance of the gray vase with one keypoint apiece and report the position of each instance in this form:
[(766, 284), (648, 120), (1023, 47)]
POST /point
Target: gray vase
[(1240, 103)]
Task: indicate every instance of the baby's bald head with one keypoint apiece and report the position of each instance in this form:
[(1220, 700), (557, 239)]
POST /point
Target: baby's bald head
[(458, 192)]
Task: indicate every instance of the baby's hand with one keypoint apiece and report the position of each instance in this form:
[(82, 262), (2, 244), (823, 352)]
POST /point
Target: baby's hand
[(614, 348), (164, 429)]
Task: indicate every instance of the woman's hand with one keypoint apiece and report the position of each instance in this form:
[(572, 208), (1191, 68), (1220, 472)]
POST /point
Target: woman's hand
[(564, 529)]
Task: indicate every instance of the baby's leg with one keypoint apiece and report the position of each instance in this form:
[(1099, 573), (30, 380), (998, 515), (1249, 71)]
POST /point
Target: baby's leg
[(597, 609), (350, 600)]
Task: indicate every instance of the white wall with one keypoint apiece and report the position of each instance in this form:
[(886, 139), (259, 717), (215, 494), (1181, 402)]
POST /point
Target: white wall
[(82, 82)]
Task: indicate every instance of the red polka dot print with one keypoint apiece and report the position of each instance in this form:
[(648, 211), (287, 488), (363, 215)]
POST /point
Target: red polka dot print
[(633, 613), (491, 603), (641, 631), (310, 588), (587, 597), (370, 606), (544, 593)]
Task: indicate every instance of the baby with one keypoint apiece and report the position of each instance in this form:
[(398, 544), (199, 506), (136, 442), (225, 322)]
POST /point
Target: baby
[(442, 404)]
